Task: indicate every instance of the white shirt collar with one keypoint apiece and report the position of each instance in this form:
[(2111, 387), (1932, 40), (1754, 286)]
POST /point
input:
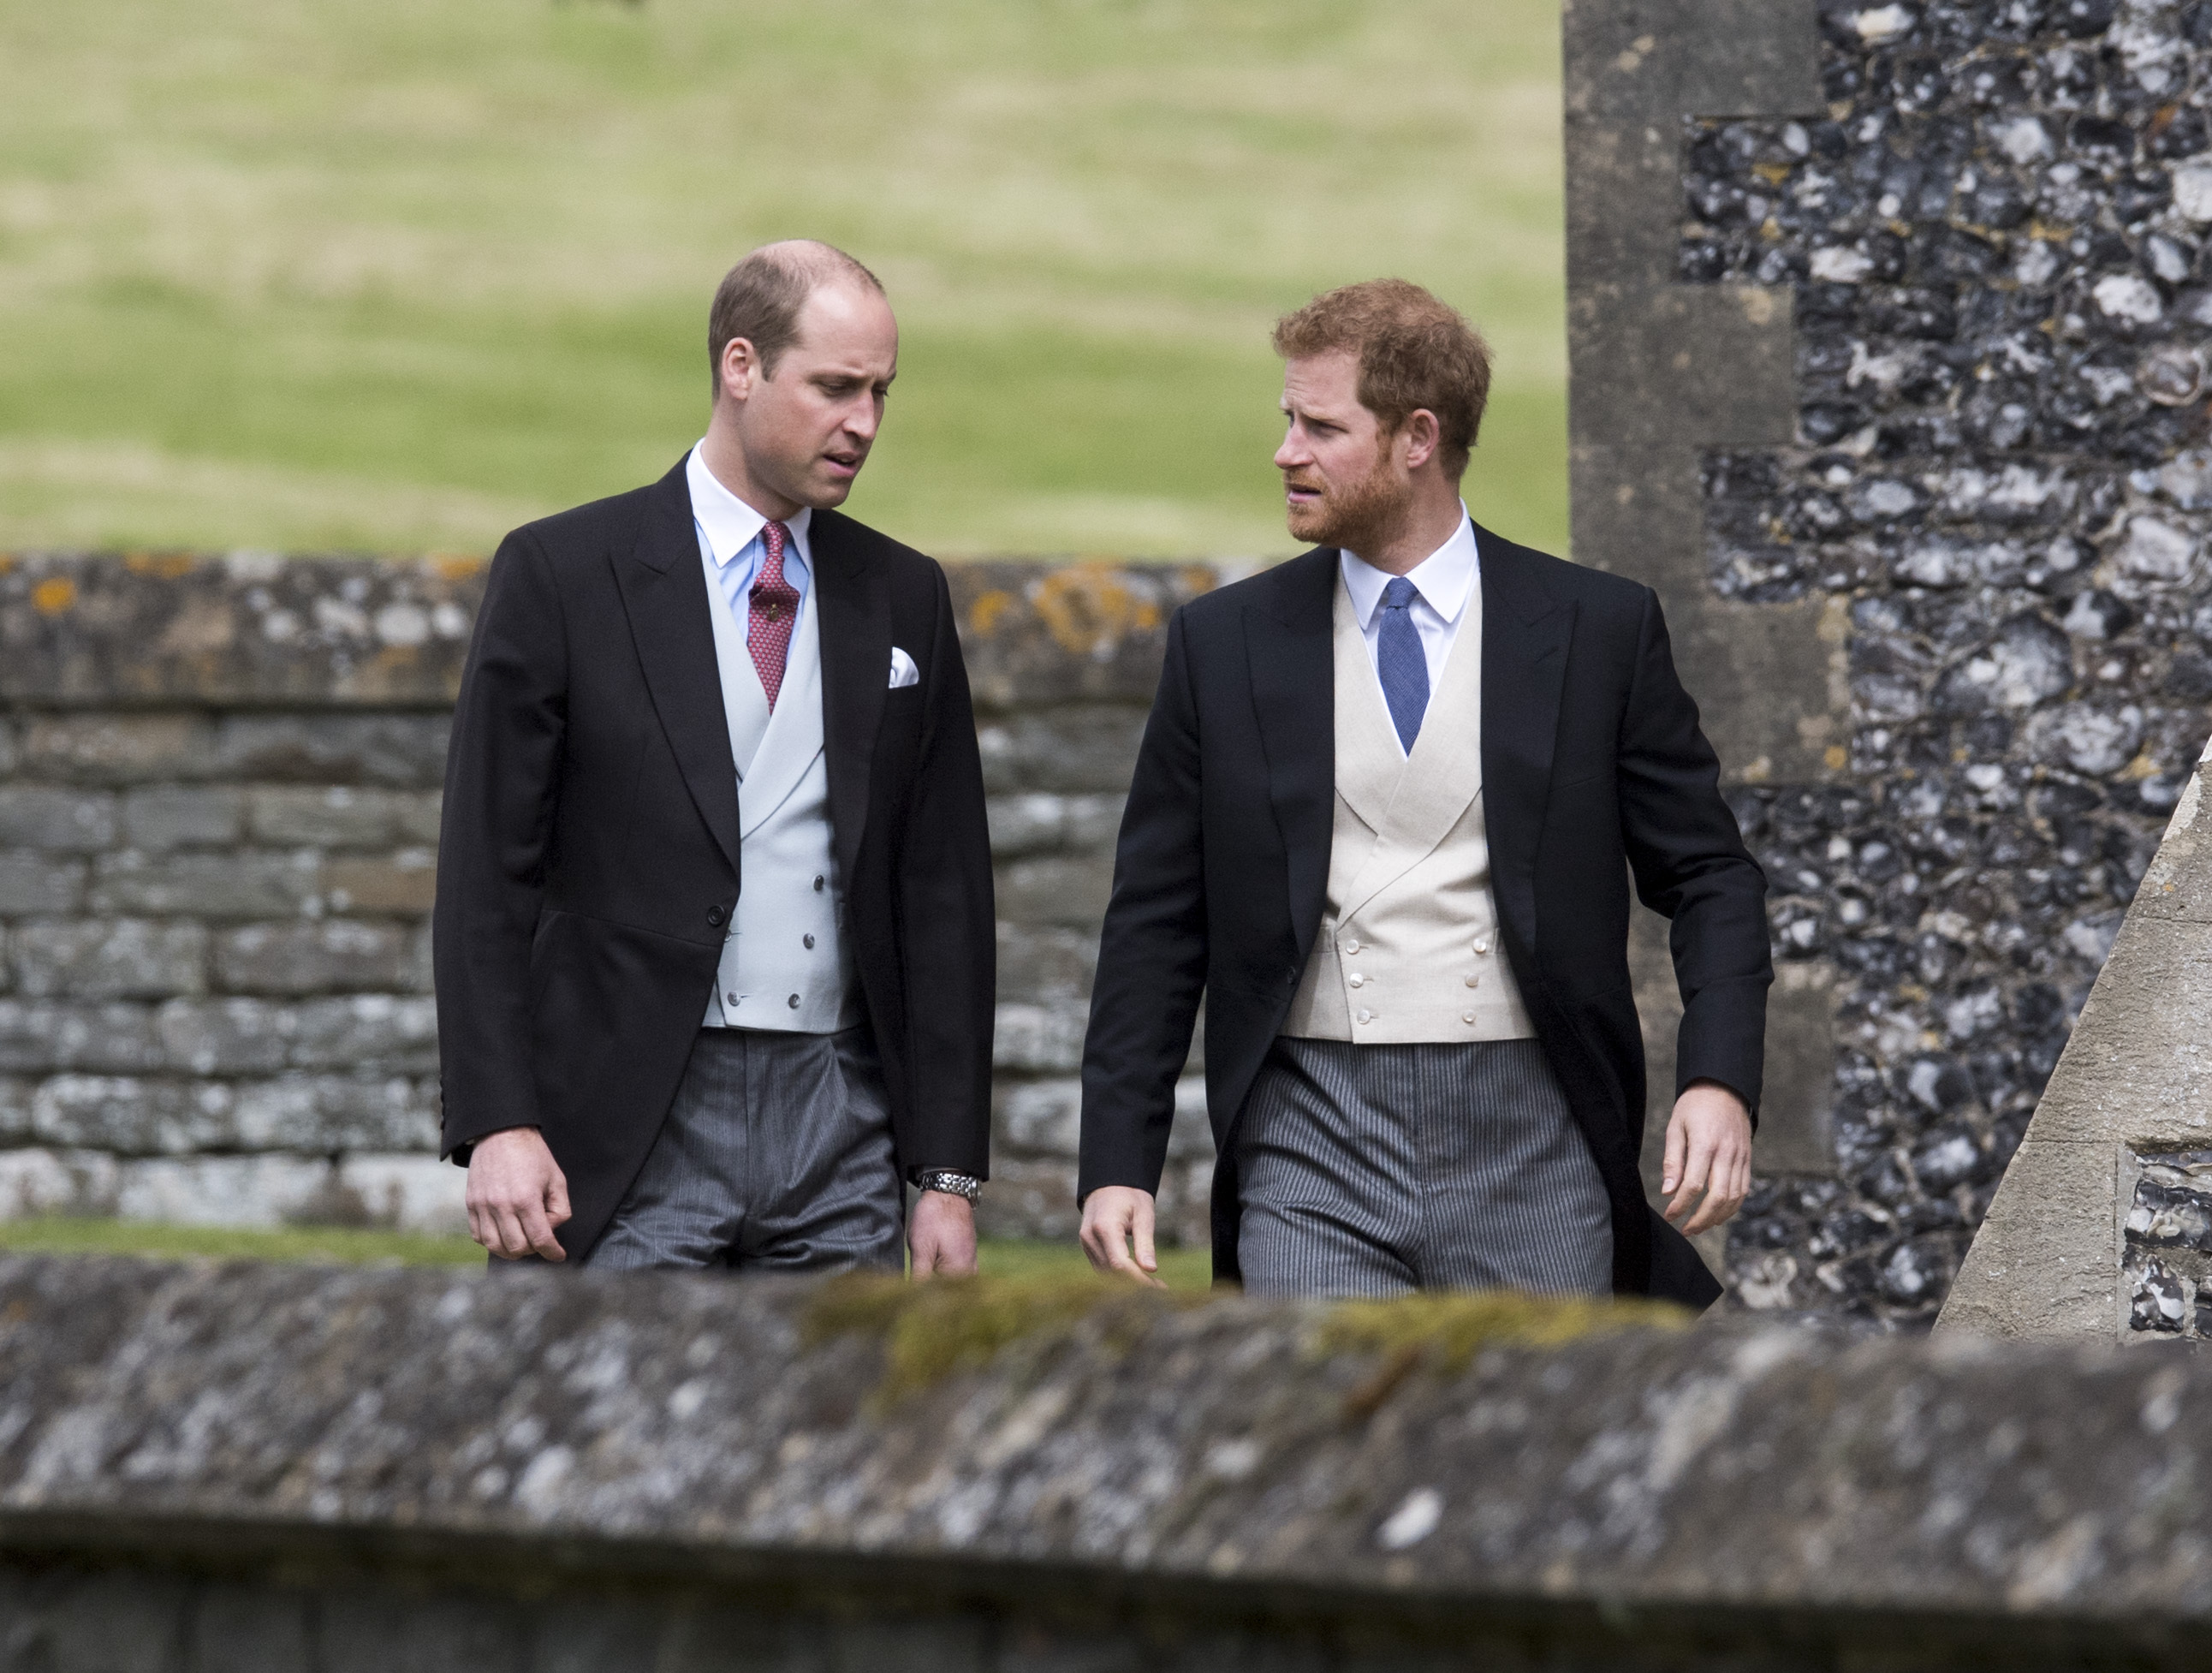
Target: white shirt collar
[(731, 525), (1444, 578)]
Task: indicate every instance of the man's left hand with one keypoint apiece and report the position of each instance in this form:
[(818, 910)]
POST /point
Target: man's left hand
[(941, 1233), (1708, 1165)]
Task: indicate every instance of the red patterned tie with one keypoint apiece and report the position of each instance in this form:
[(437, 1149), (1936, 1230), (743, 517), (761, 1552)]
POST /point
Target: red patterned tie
[(775, 611)]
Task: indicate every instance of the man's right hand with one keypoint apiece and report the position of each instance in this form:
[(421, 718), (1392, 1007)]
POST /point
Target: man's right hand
[(1114, 1219), (518, 1195)]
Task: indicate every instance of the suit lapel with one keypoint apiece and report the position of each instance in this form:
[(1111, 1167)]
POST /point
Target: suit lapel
[(1526, 636), (854, 629), (663, 592), (1287, 642)]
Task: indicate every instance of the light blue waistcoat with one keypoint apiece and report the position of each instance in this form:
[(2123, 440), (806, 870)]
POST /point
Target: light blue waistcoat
[(786, 963)]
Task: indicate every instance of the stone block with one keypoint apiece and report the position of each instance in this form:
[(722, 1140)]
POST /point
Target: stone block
[(42, 1037), (71, 1621), (1081, 748), (108, 958), (209, 1037), (403, 751), (11, 748), (1184, 1209), (326, 1115), (342, 815), (367, 1031), (119, 749), (329, 955), (416, 975), (407, 1193), (405, 882), (1042, 823), (238, 1628), (378, 1632), (1055, 890), (247, 884), (1046, 959), (223, 1191), (133, 1116), (15, 1108), (36, 1182), (37, 884), (1039, 1039), (1029, 1198), (56, 819), (157, 817), (1044, 1117)]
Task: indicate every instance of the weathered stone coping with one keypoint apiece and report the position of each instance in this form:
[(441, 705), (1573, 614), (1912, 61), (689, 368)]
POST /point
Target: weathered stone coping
[(1270, 1456), (243, 629)]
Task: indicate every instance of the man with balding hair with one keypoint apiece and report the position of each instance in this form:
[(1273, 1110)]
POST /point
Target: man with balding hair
[(713, 939), (1384, 820)]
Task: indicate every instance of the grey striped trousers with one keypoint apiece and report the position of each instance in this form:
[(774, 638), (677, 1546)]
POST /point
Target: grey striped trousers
[(775, 1157), (1376, 1170)]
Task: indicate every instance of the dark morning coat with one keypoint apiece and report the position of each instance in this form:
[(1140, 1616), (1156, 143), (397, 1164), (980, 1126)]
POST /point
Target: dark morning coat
[(1594, 769), (588, 861)]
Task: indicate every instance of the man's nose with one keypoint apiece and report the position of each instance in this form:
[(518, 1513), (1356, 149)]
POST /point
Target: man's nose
[(862, 420), (1291, 455)]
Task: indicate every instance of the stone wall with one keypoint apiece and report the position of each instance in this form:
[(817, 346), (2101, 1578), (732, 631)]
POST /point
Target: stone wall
[(237, 1467), (1889, 372), (219, 795)]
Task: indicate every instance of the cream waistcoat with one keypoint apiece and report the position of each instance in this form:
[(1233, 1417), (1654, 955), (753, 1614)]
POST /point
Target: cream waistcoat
[(1407, 951)]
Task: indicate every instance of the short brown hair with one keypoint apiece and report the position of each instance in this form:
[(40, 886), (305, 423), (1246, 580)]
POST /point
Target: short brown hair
[(760, 298), (1414, 352)]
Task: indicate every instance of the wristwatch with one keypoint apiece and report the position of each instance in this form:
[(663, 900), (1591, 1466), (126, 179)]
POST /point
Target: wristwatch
[(951, 1182)]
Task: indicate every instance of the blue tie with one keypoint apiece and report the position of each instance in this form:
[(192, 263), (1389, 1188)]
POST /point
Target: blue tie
[(1404, 666)]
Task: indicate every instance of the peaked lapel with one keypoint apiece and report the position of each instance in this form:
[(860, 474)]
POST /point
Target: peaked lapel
[(1287, 645), (1440, 778), (854, 633), (1526, 636), (664, 593)]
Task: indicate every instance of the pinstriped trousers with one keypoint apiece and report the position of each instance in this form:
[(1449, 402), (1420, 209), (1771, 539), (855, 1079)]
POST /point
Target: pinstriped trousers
[(775, 1157), (1380, 1170)]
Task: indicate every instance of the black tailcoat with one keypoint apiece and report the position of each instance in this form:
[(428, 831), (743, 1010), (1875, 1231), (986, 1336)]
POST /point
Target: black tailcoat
[(588, 861), (1594, 770)]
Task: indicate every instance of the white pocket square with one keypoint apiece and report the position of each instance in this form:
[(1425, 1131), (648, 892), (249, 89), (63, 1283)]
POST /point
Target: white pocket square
[(903, 673)]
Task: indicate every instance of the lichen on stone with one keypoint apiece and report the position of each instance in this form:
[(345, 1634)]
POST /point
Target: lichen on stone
[(1445, 1329), (934, 1331)]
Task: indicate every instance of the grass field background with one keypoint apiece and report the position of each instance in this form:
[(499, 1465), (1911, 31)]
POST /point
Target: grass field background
[(310, 274)]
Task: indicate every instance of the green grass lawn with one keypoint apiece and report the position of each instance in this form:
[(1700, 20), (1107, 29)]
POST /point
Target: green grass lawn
[(1001, 1257), (309, 274)]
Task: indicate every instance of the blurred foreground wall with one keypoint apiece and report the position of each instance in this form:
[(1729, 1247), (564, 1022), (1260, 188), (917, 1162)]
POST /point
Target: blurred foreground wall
[(219, 797)]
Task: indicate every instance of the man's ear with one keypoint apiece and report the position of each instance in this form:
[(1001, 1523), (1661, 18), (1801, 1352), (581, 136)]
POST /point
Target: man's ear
[(740, 368), (1423, 434)]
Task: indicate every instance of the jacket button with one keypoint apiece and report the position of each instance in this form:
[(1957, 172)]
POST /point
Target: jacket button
[(715, 915)]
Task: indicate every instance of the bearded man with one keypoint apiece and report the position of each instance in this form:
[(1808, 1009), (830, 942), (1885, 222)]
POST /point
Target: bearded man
[(713, 938), (1384, 819)]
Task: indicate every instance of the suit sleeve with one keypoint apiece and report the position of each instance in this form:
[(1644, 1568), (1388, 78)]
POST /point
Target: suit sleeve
[(1690, 866), (948, 921), (501, 775), (1153, 951)]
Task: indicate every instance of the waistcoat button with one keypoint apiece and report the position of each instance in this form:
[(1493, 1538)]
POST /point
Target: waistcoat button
[(1358, 980), (810, 943), (794, 1001), (1466, 1016), (817, 886), (1474, 982), (1367, 1016)]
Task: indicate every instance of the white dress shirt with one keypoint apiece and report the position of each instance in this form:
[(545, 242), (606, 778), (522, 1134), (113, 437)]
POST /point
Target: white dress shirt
[(1443, 579), (730, 537)]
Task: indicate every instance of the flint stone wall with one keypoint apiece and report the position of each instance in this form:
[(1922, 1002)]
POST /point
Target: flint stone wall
[(219, 800), (1888, 333), (222, 1467)]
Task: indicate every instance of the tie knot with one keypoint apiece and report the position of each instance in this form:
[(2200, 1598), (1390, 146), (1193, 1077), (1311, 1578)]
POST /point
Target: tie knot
[(1399, 594)]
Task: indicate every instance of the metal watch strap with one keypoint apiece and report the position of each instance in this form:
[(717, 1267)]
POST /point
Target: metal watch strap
[(949, 1181)]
